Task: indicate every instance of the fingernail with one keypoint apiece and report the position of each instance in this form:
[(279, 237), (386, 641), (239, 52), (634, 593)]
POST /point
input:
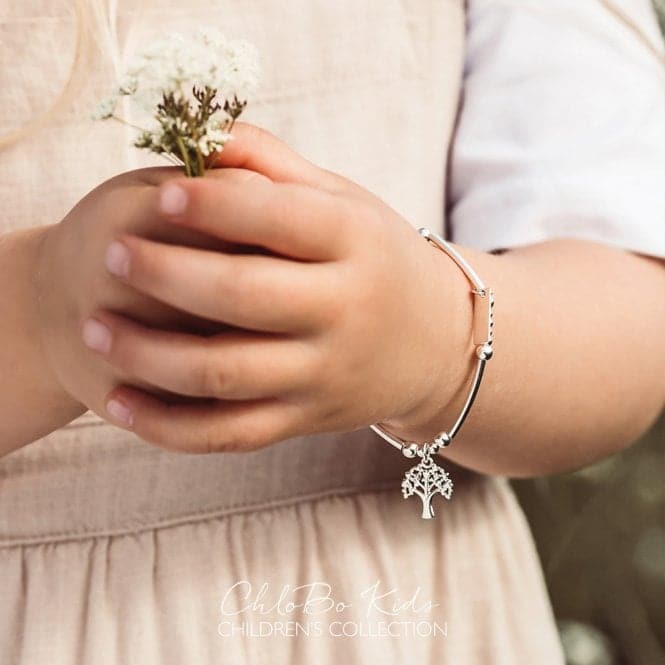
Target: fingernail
[(172, 199), (120, 412), (96, 336), (116, 259)]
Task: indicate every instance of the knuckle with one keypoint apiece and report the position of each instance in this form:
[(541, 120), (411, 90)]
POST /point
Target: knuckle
[(210, 441), (318, 301), (232, 286), (254, 434), (334, 312), (231, 441), (250, 434), (247, 438), (300, 419), (278, 205), (333, 298), (313, 368), (238, 283), (211, 380), (347, 214)]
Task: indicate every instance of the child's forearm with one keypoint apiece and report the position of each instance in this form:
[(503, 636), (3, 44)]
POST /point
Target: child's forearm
[(32, 403), (579, 363)]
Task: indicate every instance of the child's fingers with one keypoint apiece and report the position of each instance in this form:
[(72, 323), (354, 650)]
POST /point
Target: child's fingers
[(233, 365), (245, 208), (256, 149), (253, 291), (206, 427)]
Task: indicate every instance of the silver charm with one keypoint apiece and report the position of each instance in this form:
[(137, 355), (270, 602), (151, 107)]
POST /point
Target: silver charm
[(426, 479)]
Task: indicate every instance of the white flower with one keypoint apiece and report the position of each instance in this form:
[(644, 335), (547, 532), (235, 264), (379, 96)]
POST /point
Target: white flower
[(207, 59), (188, 92), (128, 85), (105, 109), (218, 136), (241, 75)]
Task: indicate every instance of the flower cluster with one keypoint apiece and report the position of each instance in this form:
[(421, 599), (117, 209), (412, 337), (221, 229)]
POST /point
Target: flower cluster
[(192, 90)]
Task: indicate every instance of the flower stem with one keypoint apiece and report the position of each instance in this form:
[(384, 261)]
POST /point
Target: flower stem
[(174, 159), (201, 165), (185, 157), (125, 122)]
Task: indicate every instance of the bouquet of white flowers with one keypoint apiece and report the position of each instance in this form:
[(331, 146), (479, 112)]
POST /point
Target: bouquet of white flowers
[(191, 90)]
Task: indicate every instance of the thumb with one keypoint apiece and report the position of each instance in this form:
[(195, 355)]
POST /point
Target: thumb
[(256, 149)]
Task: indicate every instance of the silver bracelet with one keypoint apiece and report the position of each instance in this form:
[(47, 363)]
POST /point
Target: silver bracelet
[(427, 478)]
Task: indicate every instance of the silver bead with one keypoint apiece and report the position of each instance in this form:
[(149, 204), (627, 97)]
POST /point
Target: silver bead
[(484, 352), (410, 451), (441, 441)]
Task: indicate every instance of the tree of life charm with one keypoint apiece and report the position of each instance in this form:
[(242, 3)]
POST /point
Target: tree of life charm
[(425, 480)]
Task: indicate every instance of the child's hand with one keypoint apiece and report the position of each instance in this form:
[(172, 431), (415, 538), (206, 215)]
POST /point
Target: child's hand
[(337, 324), (71, 281)]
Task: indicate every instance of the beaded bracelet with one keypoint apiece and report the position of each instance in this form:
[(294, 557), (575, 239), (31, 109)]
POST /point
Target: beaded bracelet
[(427, 478)]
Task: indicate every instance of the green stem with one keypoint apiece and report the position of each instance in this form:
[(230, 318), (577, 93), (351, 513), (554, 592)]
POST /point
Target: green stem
[(185, 157), (199, 158)]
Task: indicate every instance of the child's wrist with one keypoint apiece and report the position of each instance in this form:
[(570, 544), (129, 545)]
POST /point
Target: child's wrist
[(33, 401), (451, 363), (41, 285)]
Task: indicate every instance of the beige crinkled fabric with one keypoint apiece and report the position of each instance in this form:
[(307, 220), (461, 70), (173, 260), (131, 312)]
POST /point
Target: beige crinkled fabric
[(113, 551)]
